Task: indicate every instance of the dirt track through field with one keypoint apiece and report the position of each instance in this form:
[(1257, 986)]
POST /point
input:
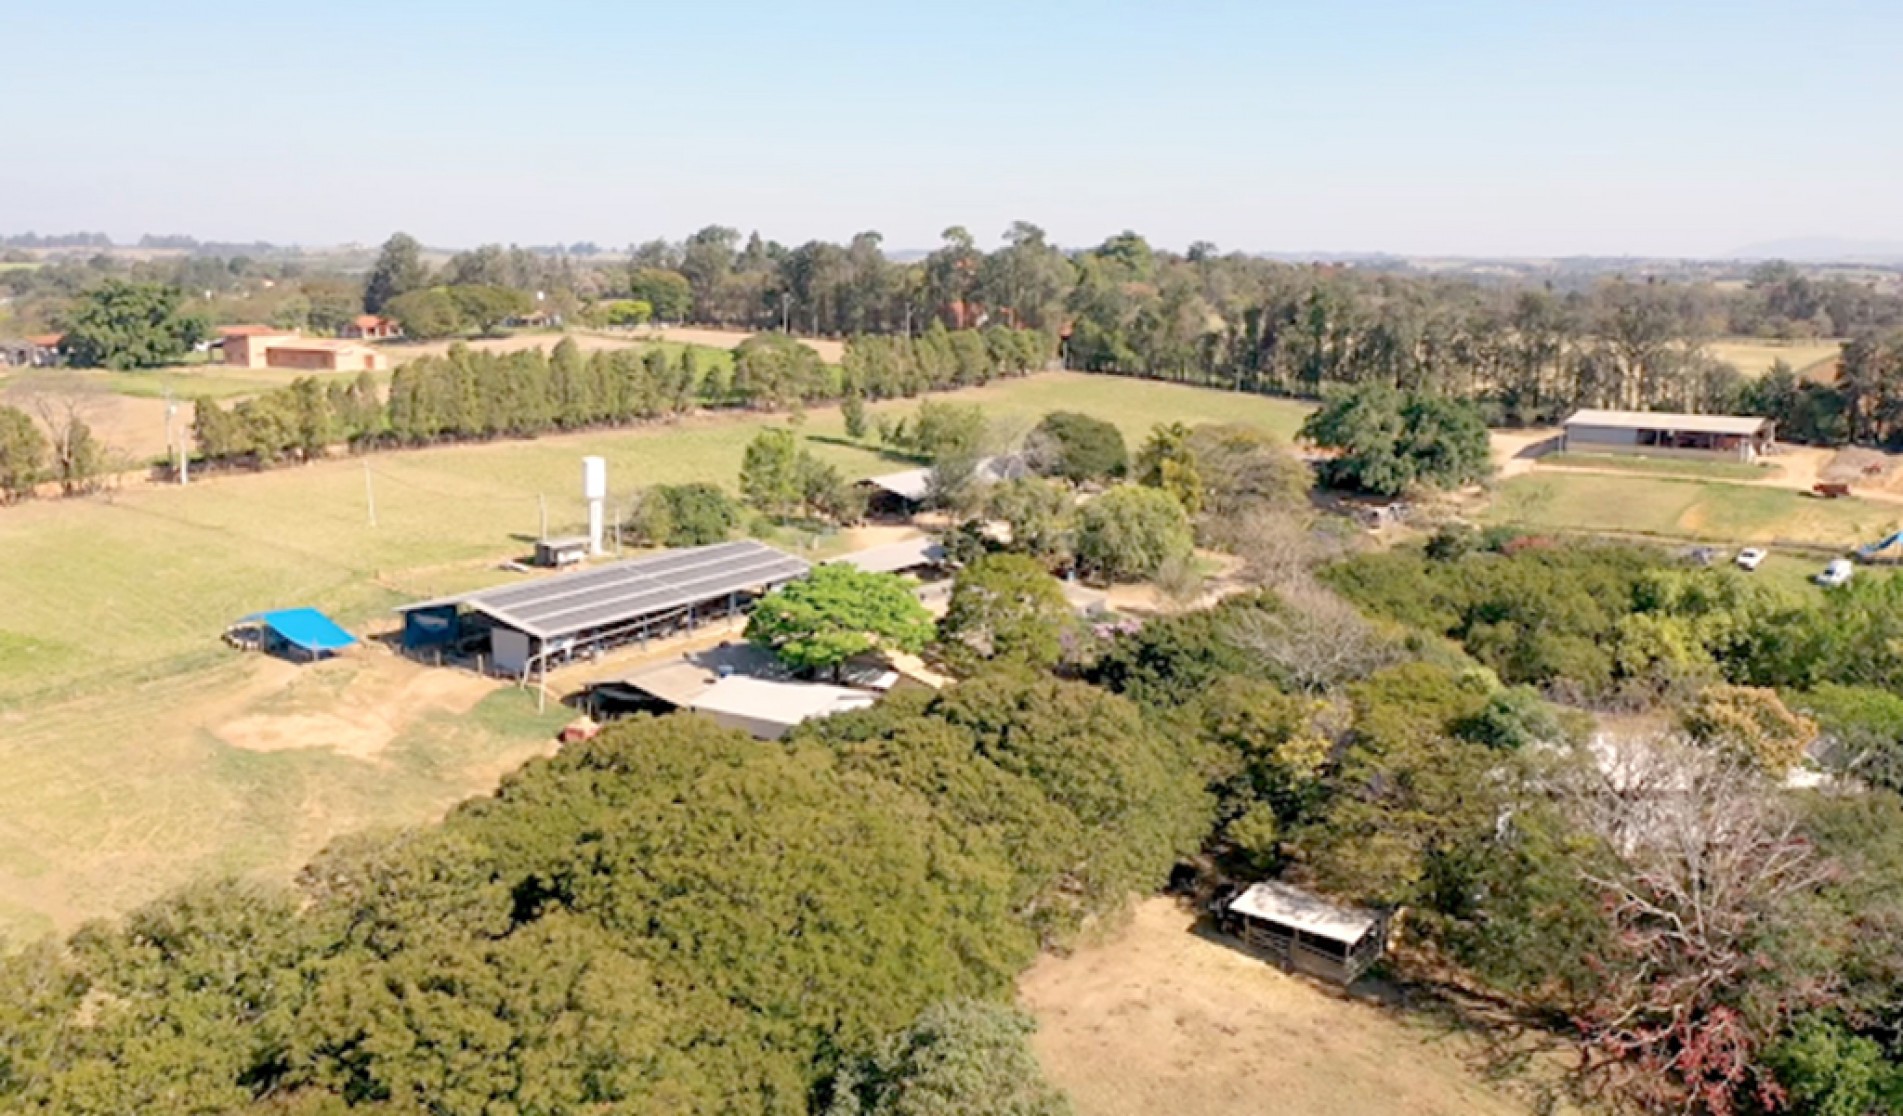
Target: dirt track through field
[(1162, 1020)]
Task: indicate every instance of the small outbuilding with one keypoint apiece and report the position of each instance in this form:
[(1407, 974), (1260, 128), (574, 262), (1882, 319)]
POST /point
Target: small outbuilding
[(371, 327), (1303, 931), (558, 553), (1669, 434), (902, 494), (303, 634)]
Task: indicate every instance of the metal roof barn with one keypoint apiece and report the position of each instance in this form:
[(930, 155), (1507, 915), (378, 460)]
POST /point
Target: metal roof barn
[(1670, 420), (897, 557), (571, 613), (1305, 932), (769, 709)]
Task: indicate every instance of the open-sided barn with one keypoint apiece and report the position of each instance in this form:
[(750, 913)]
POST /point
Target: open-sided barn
[(1305, 932), (1662, 434), (530, 626)]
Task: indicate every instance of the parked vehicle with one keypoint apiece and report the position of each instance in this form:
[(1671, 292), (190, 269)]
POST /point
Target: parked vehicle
[(1750, 558), (1836, 573)]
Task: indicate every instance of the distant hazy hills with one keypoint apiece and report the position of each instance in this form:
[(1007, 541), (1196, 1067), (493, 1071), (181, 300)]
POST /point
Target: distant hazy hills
[(1823, 249)]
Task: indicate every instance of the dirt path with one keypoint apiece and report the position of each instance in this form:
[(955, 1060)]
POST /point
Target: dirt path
[(1517, 451), (1162, 1020)]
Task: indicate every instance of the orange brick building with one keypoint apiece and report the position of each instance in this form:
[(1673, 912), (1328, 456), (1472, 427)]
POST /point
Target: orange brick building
[(266, 347)]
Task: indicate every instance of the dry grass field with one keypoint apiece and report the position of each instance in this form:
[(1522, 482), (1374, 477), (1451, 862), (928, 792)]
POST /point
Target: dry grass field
[(1754, 356), (1160, 1019), (127, 409), (137, 751)]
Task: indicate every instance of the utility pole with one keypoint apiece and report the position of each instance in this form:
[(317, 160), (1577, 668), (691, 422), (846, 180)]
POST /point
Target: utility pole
[(370, 492), (173, 443)]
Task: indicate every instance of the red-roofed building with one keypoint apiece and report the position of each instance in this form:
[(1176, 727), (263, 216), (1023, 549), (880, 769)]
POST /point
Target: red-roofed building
[(38, 351), (371, 327)]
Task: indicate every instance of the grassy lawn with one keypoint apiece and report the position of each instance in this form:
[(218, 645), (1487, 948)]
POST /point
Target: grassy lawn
[(129, 735), (213, 380), (1689, 509), (1666, 466)]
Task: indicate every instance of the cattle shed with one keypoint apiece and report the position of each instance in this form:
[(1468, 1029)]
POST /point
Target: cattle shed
[(531, 626), (769, 708), (1305, 932), (1669, 434)]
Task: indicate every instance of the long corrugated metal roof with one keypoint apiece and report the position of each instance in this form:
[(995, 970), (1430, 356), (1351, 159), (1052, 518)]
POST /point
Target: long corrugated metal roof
[(906, 554), (621, 592), (1669, 420), (916, 484), (779, 702)]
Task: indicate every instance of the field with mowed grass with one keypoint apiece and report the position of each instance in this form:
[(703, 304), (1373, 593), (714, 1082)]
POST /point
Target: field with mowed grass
[(1755, 356), (1669, 507), (137, 751)]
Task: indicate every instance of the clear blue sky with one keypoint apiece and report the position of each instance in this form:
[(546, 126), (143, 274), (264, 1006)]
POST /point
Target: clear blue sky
[(1508, 127)]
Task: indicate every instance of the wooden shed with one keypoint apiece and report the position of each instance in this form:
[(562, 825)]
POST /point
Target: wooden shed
[(1305, 932)]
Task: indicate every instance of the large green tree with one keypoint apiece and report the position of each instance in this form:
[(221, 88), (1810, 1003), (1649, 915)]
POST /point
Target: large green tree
[(1129, 532), (123, 325), (398, 271), (23, 450), (1077, 447), (839, 611), (427, 313), (1005, 606), (1385, 441)]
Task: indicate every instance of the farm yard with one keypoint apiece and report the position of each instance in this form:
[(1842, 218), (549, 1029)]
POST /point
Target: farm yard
[(139, 752)]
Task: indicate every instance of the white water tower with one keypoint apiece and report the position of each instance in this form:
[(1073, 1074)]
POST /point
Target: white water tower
[(594, 489)]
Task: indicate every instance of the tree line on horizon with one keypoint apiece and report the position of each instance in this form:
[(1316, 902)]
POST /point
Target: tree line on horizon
[(473, 395), (1528, 353)]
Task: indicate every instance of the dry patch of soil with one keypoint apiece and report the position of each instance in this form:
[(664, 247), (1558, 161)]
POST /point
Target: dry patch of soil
[(1162, 1020), (355, 706)]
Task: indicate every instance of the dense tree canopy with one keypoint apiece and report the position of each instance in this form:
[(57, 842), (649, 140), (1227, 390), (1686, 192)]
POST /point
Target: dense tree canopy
[(1077, 447), (1386, 442), (398, 271), (1005, 606), (819, 622), (123, 325), (1129, 532)]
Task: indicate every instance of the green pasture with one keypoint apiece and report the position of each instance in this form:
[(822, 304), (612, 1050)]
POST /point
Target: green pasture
[(114, 781), (1662, 466), (1702, 511)]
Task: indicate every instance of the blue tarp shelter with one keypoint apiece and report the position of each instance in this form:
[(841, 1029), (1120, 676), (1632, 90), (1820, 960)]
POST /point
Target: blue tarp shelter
[(304, 629)]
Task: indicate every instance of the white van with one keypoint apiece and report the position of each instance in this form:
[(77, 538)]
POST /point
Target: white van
[(1836, 573)]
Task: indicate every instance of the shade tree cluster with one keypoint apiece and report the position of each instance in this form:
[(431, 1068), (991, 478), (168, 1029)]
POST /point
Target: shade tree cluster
[(671, 917)]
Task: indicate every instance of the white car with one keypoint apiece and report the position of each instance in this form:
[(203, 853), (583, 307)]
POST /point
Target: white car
[(1750, 558), (1836, 573)]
